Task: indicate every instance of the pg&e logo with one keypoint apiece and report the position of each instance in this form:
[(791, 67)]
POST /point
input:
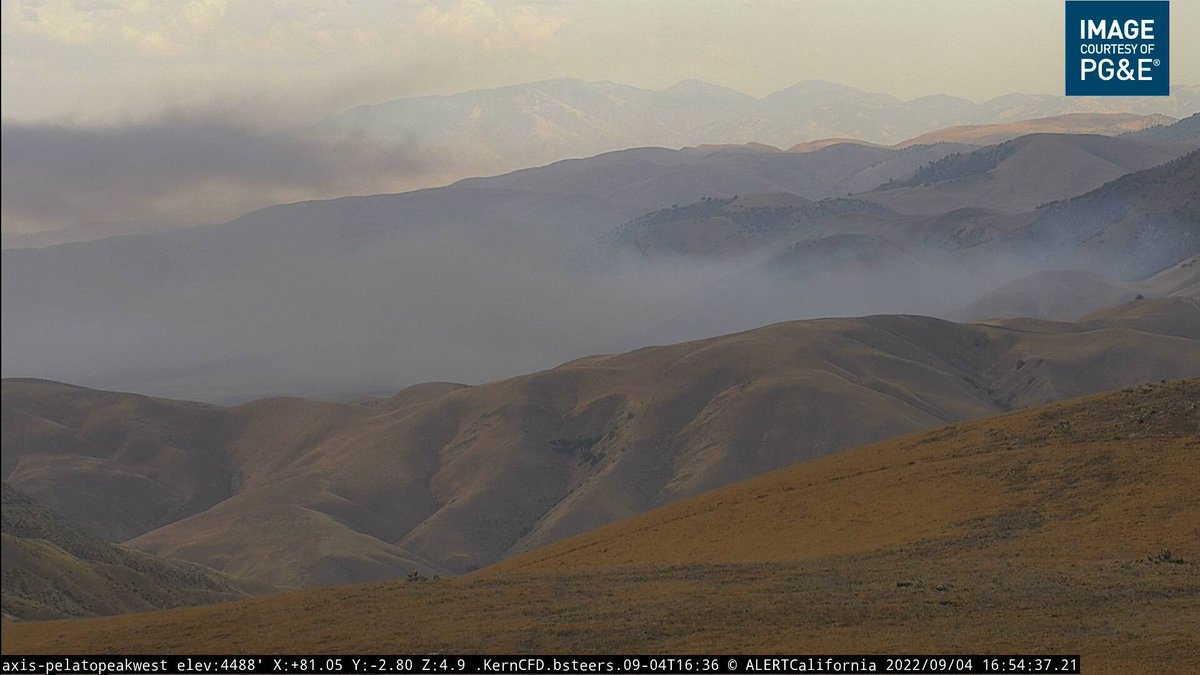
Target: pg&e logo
[(1118, 48)]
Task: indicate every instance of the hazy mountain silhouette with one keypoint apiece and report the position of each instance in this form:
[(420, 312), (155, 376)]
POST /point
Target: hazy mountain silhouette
[(539, 122), (491, 277)]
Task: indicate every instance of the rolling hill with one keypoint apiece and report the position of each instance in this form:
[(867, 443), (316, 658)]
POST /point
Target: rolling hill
[(1138, 225), (1182, 279), (1129, 228), (1176, 315), (718, 227), (403, 283), (1065, 528), (338, 298), (1021, 174), (1068, 295), (54, 570), (1186, 130), (143, 462), (449, 479), (1064, 295)]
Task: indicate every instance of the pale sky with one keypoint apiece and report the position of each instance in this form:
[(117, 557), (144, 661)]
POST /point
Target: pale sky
[(109, 61)]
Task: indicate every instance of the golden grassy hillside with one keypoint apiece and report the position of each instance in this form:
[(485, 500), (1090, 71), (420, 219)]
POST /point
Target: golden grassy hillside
[(457, 478), (53, 569), (1070, 528), (114, 464), (1051, 482)]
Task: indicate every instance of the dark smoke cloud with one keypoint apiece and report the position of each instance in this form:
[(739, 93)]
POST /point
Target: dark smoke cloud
[(184, 169)]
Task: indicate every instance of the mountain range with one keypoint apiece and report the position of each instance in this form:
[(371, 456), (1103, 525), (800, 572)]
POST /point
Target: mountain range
[(356, 296), (539, 122), (1135, 214)]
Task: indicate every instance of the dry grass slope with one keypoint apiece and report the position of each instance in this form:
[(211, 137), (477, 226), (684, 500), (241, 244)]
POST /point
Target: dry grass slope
[(54, 570), (451, 478), (1070, 527)]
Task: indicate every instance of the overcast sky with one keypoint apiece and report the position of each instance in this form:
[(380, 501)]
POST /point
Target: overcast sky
[(110, 61)]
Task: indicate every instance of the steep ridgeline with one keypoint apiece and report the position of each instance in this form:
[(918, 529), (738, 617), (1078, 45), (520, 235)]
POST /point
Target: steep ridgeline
[(449, 479), (538, 122)]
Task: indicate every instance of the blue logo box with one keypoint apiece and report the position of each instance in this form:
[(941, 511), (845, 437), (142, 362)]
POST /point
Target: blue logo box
[(1118, 48)]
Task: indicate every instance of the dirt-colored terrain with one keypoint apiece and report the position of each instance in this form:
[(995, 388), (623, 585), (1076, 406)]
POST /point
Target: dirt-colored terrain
[(1070, 528), (445, 479)]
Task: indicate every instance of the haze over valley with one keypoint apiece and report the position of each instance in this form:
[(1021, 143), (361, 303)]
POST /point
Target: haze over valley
[(492, 277)]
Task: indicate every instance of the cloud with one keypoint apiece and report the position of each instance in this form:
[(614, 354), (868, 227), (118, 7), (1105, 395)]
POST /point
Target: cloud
[(110, 27), (478, 24), (204, 13), (61, 22), (182, 169), (115, 60)]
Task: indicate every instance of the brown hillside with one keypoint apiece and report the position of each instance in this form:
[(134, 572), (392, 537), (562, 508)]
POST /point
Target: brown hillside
[(325, 493), (116, 464), (1020, 174), (1063, 295), (1067, 528), (1045, 481), (1072, 294), (1165, 316), (1182, 279), (52, 569)]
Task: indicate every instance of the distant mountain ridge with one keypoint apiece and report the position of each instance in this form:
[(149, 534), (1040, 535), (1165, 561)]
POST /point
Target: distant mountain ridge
[(223, 312), (1125, 208), (87, 232), (1023, 173), (538, 122), (487, 132)]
